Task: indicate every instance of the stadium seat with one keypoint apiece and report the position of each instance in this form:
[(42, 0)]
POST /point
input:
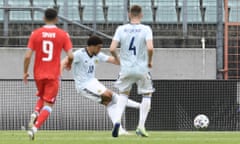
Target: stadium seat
[(146, 9), (43, 3), (91, 2), (194, 14), (193, 11), (38, 16), (88, 14), (70, 2), (18, 2), (166, 11), (171, 3), (233, 3), (72, 12), (234, 15), (72, 9), (211, 11), (20, 16), (114, 3), (88, 11), (115, 14), (1, 15), (191, 2), (115, 11), (166, 14)]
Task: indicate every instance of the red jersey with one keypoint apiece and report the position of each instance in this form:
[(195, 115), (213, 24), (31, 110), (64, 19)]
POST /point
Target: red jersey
[(48, 42)]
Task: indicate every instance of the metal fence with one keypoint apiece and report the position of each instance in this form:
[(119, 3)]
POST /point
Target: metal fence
[(174, 106)]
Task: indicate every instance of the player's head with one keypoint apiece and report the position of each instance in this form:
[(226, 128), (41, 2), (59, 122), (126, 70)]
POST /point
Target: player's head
[(50, 15), (135, 12), (95, 44)]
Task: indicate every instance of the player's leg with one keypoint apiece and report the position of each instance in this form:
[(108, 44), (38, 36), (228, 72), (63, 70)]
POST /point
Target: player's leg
[(145, 88), (143, 113), (36, 112), (133, 104), (124, 84), (49, 92), (96, 91)]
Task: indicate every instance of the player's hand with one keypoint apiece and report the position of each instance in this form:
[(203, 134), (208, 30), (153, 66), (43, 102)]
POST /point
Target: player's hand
[(149, 65), (25, 77), (68, 67)]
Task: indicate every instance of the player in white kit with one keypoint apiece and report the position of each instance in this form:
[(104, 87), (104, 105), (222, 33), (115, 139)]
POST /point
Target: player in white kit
[(83, 69), (136, 50)]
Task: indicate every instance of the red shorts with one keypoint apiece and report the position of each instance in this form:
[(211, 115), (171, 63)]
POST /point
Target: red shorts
[(47, 89)]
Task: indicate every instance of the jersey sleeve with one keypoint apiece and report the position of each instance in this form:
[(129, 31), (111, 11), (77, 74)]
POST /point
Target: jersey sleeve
[(67, 42), (31, 41), (76, 56), (117, 34), (149, 35), (102, 57)]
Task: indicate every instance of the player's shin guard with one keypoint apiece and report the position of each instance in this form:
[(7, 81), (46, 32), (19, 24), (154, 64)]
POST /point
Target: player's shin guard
[(46, 110)]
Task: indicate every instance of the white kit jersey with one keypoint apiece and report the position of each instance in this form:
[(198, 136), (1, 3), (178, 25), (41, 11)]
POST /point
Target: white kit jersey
[(84, 66), (133, 49)]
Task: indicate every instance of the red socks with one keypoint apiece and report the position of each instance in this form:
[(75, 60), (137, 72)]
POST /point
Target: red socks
[(45, 112), (39, 105)]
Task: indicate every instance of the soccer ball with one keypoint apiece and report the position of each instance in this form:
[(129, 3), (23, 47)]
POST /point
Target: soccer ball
[(201, 121)]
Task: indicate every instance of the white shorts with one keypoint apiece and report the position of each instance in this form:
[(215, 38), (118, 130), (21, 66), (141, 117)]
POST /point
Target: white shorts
[(93, 90), (144, 82)]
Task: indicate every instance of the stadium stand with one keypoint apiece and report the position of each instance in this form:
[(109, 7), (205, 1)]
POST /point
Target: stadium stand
[(146, 8), (20, 16), (1, 15), (164, 16), (70, 8), (166, 11), (18, 2), (88, 11), (234, 7), (211, 11), (43, 3), (115, 11), (193, 11), (234, 15)]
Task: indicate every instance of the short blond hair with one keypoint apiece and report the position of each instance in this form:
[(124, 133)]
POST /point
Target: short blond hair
[(135, 10)]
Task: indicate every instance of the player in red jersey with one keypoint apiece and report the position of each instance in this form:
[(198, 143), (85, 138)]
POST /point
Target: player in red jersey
[(47, 42)]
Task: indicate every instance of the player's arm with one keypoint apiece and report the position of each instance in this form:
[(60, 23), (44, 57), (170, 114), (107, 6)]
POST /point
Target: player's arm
[(112, 60), (27, 60), (69, 59), (150, 52), (68, 48), (113, 48), (65, 64)]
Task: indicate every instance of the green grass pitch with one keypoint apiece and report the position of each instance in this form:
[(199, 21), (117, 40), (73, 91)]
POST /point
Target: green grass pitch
[(104, 137)]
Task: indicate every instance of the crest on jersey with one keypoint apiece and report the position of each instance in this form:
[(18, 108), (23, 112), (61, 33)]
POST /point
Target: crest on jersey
[(96, 61)]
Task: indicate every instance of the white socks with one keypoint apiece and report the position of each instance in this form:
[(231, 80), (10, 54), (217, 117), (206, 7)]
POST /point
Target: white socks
[(130, 103), (121, 104), (133, 104), (143, 111), (111, 109)]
